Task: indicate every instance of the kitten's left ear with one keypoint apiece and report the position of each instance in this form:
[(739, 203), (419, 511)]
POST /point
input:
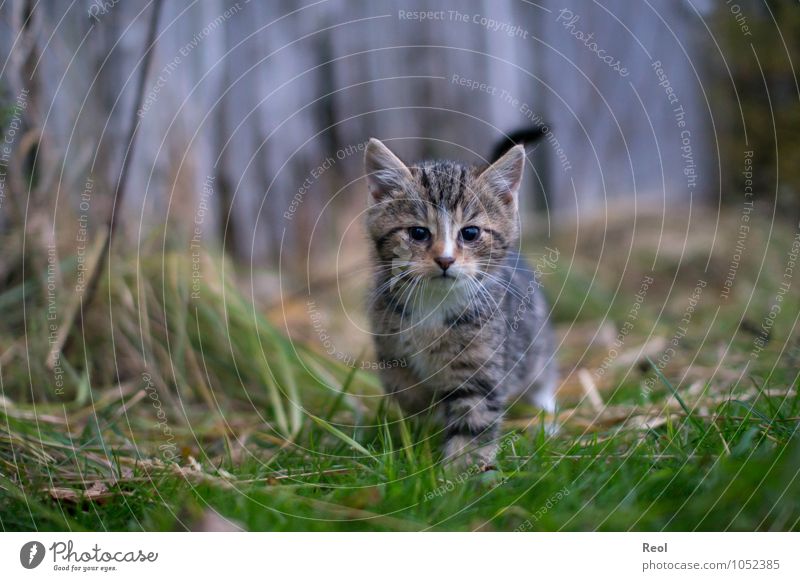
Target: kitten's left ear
[(504, 176), (385, 172)]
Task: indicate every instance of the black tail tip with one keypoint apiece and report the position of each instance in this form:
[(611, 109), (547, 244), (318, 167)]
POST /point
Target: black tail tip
[(524, 136)]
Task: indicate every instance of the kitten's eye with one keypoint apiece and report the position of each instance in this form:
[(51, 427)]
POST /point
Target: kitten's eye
[(470, 233), (419, 233)]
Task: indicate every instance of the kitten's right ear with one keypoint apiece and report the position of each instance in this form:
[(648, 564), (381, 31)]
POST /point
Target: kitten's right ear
[(385, 171)]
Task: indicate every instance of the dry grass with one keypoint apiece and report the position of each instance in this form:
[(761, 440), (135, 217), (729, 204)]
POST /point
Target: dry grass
[(177, 392)]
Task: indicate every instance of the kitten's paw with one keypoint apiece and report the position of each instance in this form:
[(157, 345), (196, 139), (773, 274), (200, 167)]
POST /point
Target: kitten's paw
[(549, 414), (551, 426), (461, 454)]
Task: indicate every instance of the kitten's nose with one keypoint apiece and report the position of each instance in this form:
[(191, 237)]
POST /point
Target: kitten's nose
[(444, 262)]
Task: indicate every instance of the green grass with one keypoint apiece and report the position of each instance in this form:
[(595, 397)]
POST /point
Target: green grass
[(681, 477), (272, 435)]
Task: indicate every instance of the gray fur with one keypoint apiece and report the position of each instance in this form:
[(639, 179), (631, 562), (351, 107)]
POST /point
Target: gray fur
[(474, 339)]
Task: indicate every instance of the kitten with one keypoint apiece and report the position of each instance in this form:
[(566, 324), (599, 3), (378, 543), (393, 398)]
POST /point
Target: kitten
[(453, 298)]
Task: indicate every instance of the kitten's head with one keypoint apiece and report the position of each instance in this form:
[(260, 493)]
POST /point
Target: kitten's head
[(442, 221)]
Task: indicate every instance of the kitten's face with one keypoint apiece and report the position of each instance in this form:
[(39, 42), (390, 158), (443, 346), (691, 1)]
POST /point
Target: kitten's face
[(441, 221)]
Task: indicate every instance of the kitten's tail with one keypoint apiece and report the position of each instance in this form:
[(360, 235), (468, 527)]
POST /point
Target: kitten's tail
[(525, 136)]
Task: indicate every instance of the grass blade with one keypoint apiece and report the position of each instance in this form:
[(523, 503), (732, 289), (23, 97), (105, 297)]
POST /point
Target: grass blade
[(342, 436)]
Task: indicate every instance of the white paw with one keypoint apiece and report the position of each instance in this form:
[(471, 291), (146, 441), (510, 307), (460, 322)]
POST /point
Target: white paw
[(461, 452)]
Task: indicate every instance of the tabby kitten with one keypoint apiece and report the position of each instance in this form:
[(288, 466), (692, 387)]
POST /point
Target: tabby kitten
[(453, 298)]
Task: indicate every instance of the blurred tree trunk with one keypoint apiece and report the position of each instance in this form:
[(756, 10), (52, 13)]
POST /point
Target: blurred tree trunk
[(269, 101)]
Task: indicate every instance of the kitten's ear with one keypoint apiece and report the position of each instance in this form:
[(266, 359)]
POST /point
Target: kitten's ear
[(504, 176), (385, 171)]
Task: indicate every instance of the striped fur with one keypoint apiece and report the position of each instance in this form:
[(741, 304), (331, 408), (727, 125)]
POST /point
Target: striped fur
[(469, 344)]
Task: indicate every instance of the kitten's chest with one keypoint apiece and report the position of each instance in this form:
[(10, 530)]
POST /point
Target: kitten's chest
[(434, 341), (430, 347)]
